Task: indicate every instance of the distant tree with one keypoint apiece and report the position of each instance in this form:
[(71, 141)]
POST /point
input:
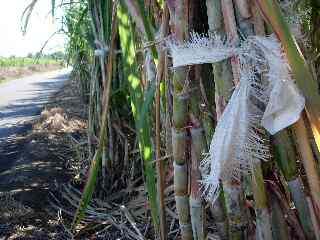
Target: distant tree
[(59, 55)]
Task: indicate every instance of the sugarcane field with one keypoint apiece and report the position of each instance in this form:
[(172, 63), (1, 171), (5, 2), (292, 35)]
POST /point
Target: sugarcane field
[(160, 120)]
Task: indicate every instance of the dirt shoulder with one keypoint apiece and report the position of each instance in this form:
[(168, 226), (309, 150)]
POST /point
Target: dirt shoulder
[(45, 154), (8, 73)]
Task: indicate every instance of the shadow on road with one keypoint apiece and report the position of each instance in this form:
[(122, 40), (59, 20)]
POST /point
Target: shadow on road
[(33, 165), (26, 105)]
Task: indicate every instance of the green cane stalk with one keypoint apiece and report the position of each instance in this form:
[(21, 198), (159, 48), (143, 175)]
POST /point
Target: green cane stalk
[(179, 131), (285, 156)]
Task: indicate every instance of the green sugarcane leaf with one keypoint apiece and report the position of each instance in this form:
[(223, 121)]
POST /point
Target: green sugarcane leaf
[(148, 98), (89, 188), (53, 6), (26, 14), (140, 106), (148, 28)]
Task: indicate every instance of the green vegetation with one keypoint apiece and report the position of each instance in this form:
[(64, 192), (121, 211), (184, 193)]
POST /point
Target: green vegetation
[(30, 60)]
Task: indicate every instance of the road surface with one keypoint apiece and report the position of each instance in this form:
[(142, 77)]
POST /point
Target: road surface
[(22, 100)]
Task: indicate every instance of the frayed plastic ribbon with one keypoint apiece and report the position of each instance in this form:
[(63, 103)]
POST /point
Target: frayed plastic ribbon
[(265, 98)]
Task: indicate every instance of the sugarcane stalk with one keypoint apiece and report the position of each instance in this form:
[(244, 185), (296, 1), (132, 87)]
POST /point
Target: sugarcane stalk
[(301, 74), (223, 85), (279, 225), (299, 67), (168, 108), (207, 107), (180, 123), (243, 7), (242, 11), (223, 89), (291, 217), (179, 144), (198, 102), (230, 26), (198, 147), (221, 20), (229, 20), (313, 218), (197, 139), (181, 187), (208, 125), (160, 167), (308, 162), (263, 218), (300, 200), (285, 159), (263, 229), (285, 156), (258, 22), (243, 18), (218, 211)]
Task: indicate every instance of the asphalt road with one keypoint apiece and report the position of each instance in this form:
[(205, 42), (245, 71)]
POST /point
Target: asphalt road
[(22, 100)]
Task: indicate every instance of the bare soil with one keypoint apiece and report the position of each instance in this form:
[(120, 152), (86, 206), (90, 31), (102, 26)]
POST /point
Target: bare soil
[(43, 156)]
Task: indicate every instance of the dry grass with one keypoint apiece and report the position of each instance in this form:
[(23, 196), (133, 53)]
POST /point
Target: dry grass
[(57, 120)]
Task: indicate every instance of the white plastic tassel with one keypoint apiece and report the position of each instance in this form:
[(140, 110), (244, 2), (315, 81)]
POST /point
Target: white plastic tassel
[(284, 107), (285, 102), (200, 49), (266, 97), (230, 148)]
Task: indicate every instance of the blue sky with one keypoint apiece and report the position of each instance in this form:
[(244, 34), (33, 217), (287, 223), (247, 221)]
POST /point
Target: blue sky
[(41, 26)]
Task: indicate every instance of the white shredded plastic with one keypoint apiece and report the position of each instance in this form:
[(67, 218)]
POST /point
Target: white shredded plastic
[(200, 50), (266, 97), (285, 102)]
